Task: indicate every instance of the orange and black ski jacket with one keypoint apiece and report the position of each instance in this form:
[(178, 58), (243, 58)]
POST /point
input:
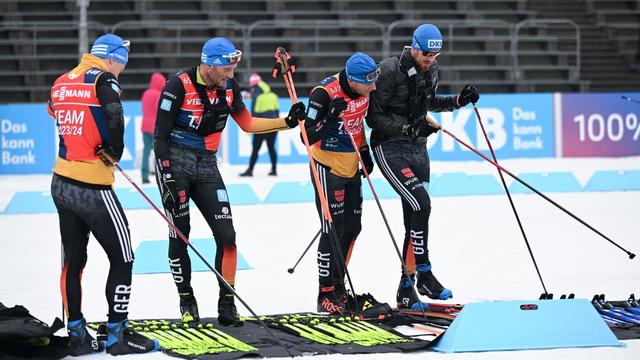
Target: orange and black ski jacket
[(332, 145)]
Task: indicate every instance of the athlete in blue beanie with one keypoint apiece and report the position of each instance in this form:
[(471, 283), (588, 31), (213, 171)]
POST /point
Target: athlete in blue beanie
[(398, 116), (114, 49), (335, 130), (193, 110)]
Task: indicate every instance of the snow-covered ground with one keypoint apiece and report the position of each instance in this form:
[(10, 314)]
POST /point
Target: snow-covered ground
[(476, 249)]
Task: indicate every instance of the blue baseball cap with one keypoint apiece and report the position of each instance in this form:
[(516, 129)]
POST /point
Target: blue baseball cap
[(219, 52), (362, 68), (111, 46), (427, 37)]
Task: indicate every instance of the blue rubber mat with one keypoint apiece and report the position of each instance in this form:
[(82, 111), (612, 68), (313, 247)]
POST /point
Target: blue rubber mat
[(290, 192), (30, 202), (239, 194), (382, 187), (546, 182), (151, 256), (36, 202), (614, 180), (446, 184), (457, 184), (520, 325)]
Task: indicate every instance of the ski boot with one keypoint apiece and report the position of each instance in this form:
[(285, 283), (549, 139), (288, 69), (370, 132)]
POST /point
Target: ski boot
[(370, 308), (189, 308), (80, 342), (430, 286), (273, 172), (122, 341), (406, 296), (227, 311), (332, 301)]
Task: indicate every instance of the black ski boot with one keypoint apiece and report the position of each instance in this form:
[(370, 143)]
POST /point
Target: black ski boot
[(189, 308), (370, 308), (331, 301), (227, 311), (248, 172), (80, 342), (406, 296), (273, 172), (430, 286), (122, 341)]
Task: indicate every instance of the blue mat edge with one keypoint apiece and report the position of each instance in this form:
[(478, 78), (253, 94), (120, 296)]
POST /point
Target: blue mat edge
[(255, 200)]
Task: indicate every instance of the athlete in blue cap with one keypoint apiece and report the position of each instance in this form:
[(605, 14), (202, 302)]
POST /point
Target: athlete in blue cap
[(82, 191), (336, 113), (398, 108), (192, 113)]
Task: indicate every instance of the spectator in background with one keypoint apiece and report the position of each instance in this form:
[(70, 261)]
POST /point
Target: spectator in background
[(264, 104), (150, 99)]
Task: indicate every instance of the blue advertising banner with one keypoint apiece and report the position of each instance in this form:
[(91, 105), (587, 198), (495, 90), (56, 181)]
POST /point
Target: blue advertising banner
[(519, 125), (28, 139), (30, 142)]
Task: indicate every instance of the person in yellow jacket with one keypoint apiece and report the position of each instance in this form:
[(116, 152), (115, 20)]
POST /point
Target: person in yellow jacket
[(85, 103), (264, 104)]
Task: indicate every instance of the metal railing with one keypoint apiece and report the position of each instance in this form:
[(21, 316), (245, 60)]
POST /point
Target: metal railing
[(311, 34), (315, 25), (517, 73)]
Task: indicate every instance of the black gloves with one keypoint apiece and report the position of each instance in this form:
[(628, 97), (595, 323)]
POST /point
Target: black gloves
[(469, 94), (368, 162), (336, 106), (296, 113), (101, 151), (215, 116), (420, 129), (168, 187)]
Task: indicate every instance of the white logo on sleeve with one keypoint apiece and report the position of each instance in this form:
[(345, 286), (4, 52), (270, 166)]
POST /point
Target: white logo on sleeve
[(165, 105)]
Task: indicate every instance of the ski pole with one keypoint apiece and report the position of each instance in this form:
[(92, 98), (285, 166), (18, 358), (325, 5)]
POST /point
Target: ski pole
[(405, 269), (285, 65), (186, 241), (630, 254), (63, 295), (292, 269), (630, 99), (506, 189)]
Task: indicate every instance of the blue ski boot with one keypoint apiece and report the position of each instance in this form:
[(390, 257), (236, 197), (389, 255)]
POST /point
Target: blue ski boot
[(122, 341), (430, 286), (407, 297), (80, 342)]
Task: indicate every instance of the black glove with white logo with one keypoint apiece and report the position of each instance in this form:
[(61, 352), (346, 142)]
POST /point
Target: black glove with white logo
[(168, 187)]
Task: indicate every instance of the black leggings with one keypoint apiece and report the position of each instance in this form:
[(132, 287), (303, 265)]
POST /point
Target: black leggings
[(196, 173), (82, 210), (344, 197), (270, 138), (406, 167)]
